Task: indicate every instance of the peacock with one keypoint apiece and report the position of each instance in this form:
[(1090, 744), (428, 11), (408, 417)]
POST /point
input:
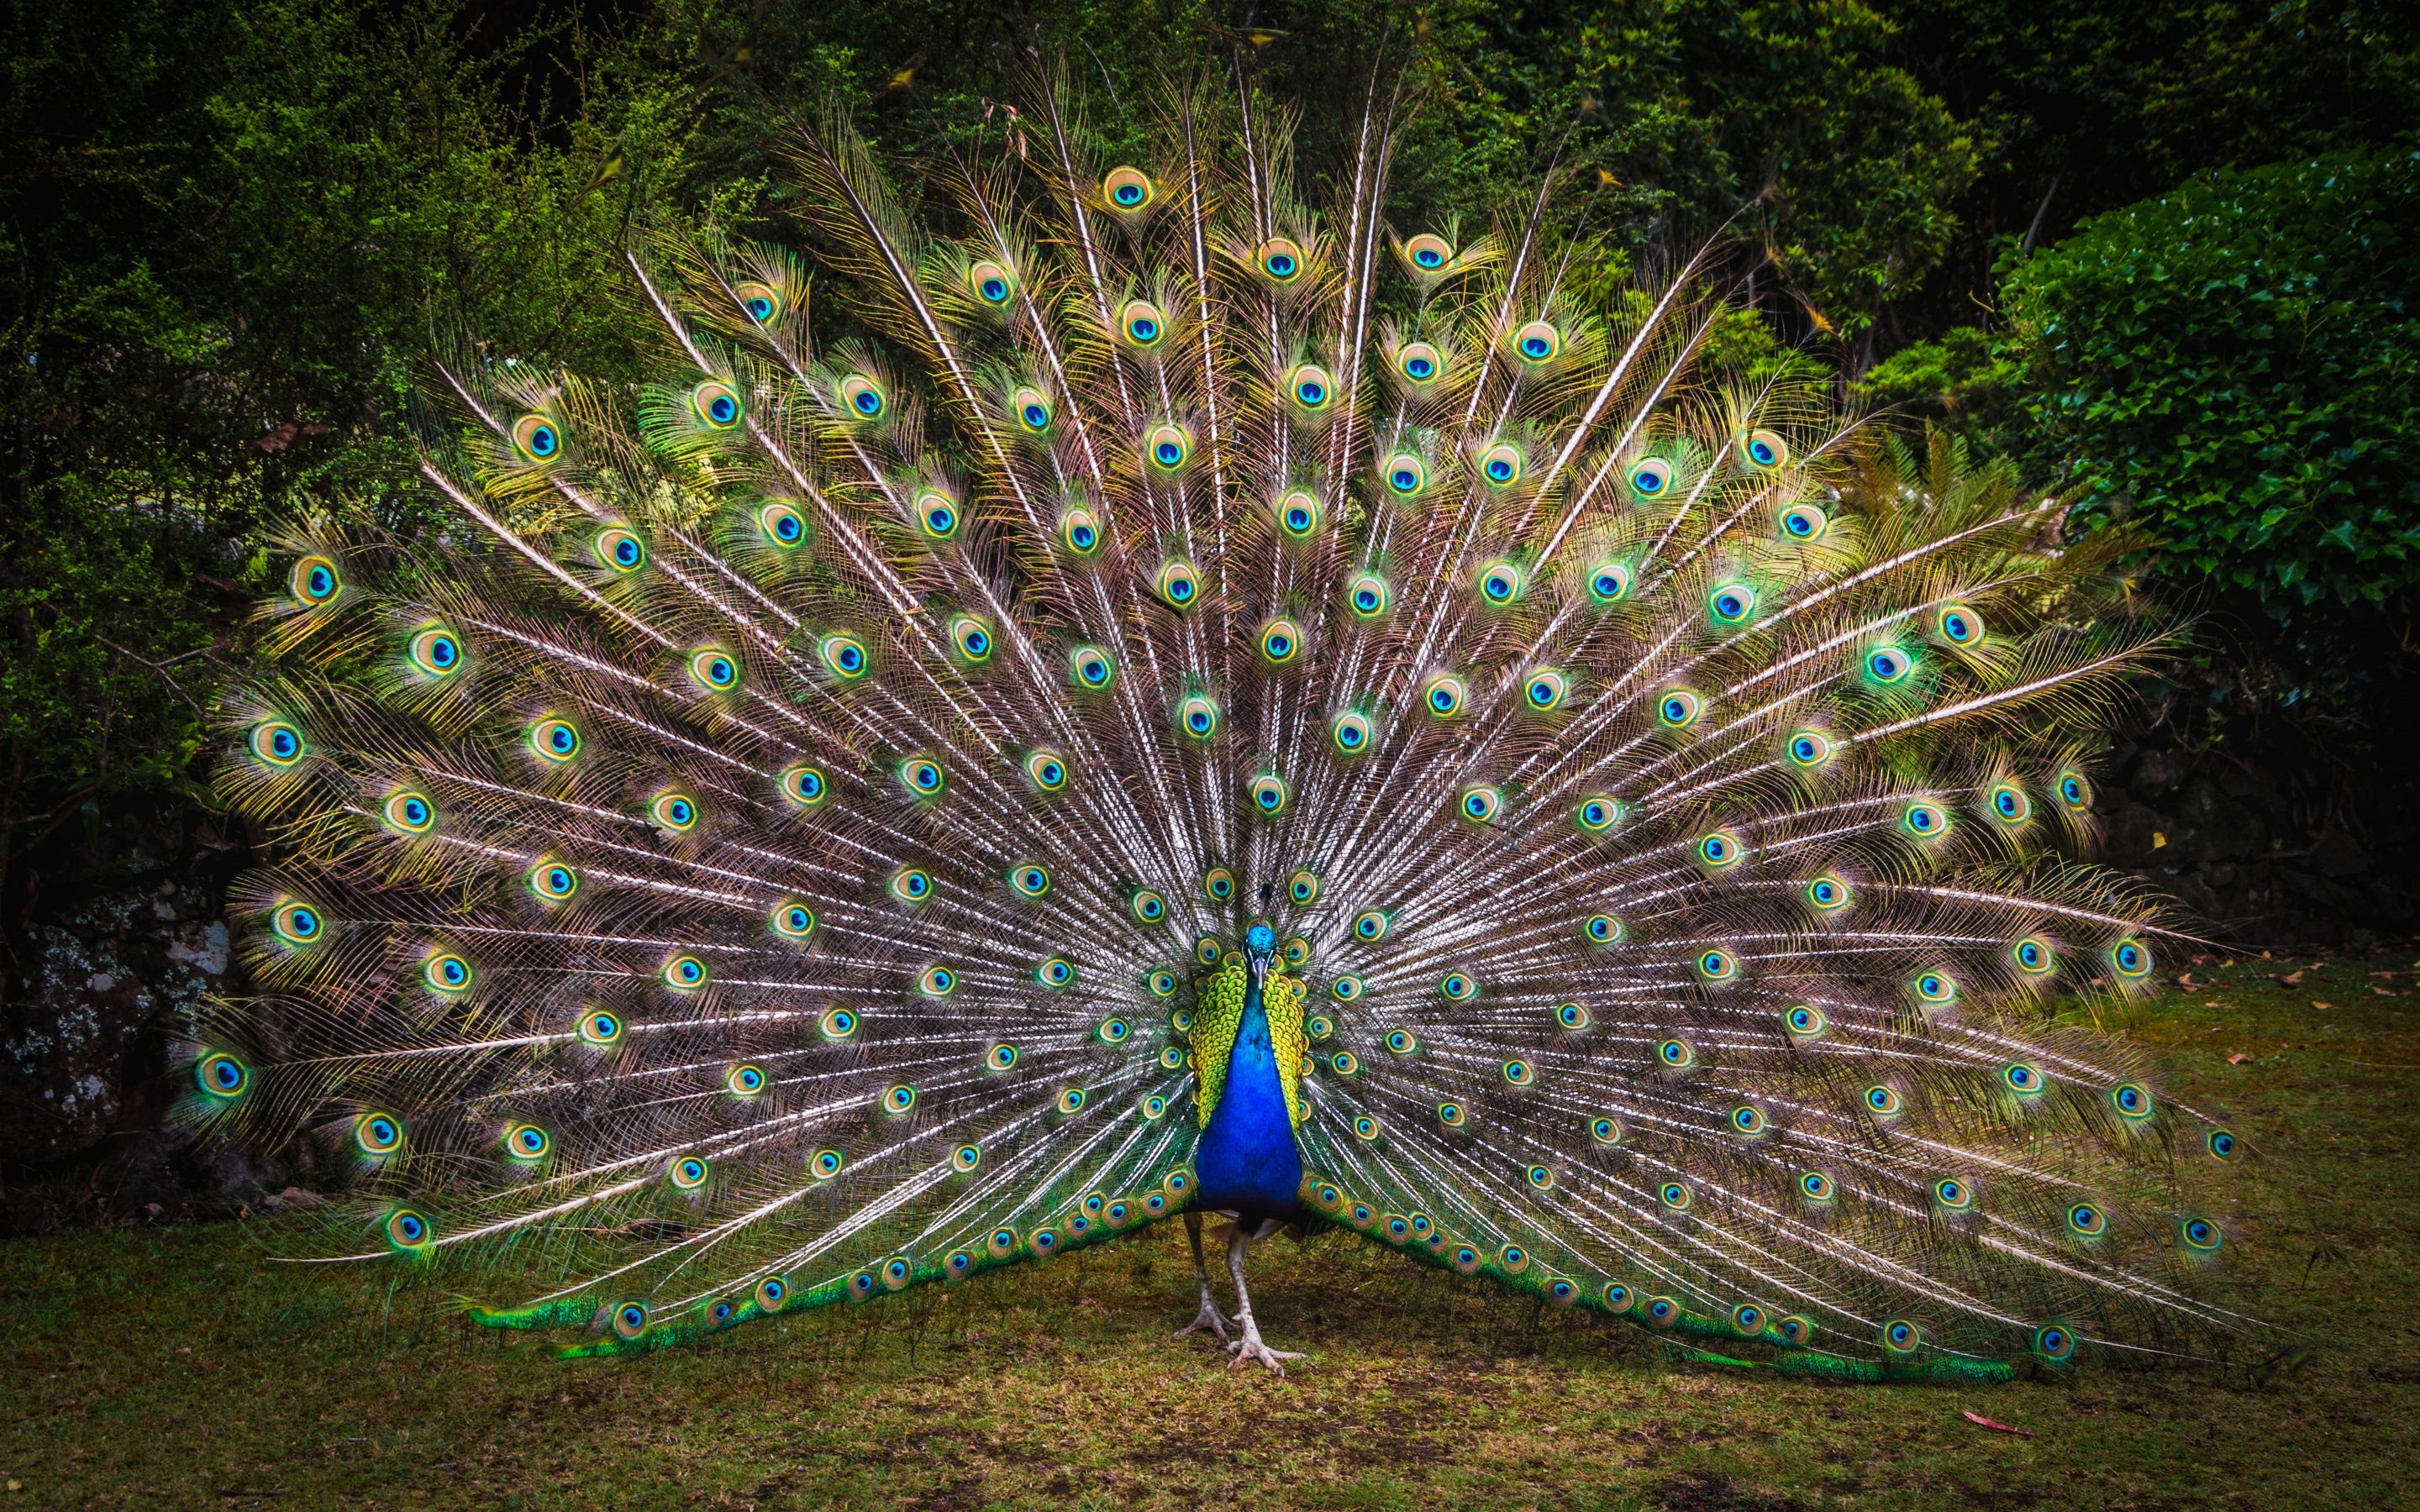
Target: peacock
[(1164, 702)]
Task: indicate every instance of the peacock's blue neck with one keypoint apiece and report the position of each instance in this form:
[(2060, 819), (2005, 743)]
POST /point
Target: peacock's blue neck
[(1246, 1161)]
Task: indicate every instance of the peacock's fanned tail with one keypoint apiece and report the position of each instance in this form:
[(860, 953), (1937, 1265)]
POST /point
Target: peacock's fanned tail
[(762, 855)]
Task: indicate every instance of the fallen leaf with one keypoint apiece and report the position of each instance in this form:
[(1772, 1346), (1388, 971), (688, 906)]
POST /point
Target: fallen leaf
[(2315, 1003), (2238, 1058), (2384, 991), (1997, 1428), (2292, 978)]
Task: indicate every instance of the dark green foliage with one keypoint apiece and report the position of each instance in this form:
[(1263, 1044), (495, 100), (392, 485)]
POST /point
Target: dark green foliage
[(2230, 367), (225, 230), (2233, 366), (2082, 106)]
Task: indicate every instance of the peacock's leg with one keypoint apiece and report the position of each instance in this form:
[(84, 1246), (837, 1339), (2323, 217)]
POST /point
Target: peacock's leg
[(1208, 1316), (1250, 1347)]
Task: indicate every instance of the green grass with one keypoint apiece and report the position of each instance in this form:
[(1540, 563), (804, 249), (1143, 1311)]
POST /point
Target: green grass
[(172, 1367)]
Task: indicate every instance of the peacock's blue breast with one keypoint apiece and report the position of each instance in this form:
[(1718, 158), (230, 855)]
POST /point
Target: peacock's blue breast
[(1246, 1161)]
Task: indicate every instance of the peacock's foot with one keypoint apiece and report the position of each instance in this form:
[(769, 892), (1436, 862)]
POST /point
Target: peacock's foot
[(1251, 1347), (1209, 1317)]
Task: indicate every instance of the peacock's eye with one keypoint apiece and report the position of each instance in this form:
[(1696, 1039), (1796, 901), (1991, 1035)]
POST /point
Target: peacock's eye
[(1924, 820), (1958, 626), (553, 881), (1129, 189), (912, 884), (1420, 361), (1480, 803), (1167, 447), (685, 973), (445, 973), (1761, 451), (1610, 582), (1428, 251), (1080, 531), (1651, 477), (1732, 604), (1031, 408), (1310, 388), (1367, 596), (843, 656), (781, 524), (673, 812), (1045, 770), (1809, 749), (1888, 665), (2074, 793), (745, 1081), (315, 581), (1218, 885), (1406, 474), (805, 785), (991, 283), (436, 653), (1142, 322), (221, 1075), (1679, 708), (1350, 732), (1178, 584), (1443, 695), (599, 1028), (1537, 342), (535, 438), (1148, 906), (1281, 259), (1828, 894), (1280, 641), (1602, 929), (714, 669), (1269, 795), (862, 396), (1598, 814), (1198, 716), (971, 637), (1303, 887), (1500, 582), (1804, 522), (1297, 513), (1803, 1021), (409, 812), (618, 551), (1719, 850), (1030, 881), (792, 920), (760, 302), (377, 1133), (1369, 926), (716, 403), (1501, 464), (937, 515), (1091, 668)]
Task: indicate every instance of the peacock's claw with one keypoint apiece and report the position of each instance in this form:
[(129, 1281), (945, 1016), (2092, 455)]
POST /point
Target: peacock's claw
[(1209, 1317), (1251, 1347)]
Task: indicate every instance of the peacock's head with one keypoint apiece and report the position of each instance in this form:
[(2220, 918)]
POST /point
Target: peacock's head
[(1260, 944)]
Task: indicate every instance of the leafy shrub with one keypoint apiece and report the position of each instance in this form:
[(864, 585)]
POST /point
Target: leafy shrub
[(2232, 367)]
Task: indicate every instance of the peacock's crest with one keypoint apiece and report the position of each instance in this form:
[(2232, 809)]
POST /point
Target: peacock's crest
[(794, 840)]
